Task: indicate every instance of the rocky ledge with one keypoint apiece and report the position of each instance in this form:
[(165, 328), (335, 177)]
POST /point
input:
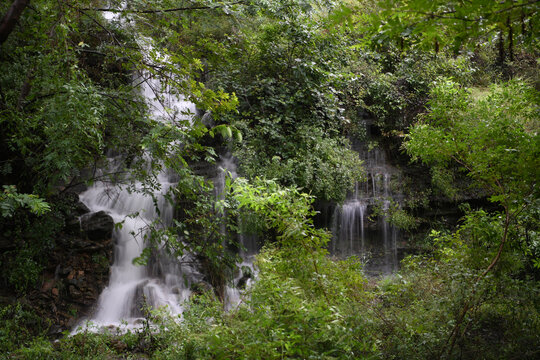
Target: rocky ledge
[(77, 270)]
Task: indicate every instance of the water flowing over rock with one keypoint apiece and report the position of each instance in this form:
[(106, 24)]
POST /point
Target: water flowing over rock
[(248, 244), (163, 281), (359, 226)]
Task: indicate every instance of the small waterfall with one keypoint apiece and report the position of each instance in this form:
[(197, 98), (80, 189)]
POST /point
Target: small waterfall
[(348, 228), (248, 244), (355, 228)]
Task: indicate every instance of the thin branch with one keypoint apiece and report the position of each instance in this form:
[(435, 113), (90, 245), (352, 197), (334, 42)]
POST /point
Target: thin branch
[(11, 17), (442, 15), (516, 6), (501, 246), (82, 11), (451, 341), (157, 11)]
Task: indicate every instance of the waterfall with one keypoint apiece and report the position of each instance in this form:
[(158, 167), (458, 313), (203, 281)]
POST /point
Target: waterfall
[(248, 244), (355, 229), (164, 281)]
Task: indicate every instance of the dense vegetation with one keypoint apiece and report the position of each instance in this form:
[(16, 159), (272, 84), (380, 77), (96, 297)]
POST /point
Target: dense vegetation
[(450, 86)]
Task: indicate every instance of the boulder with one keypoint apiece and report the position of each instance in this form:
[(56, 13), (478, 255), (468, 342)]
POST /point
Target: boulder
[(247, 273), (81, 209), (97, 226)]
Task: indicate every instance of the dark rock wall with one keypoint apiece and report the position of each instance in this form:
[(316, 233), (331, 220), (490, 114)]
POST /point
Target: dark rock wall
[(76, 269)]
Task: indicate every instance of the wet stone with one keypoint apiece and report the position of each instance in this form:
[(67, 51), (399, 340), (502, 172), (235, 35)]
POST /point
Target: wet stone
[(98, 225)]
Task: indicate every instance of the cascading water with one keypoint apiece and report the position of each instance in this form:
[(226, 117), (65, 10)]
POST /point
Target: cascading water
[(355, 229), (248, 243), (163, 281)]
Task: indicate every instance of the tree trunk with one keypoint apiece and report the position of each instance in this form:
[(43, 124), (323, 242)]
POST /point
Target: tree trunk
[(8, 22), (510, 39), (501, 48)]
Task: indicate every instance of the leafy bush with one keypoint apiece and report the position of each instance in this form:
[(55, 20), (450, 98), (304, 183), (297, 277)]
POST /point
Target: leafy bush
[(395, 97), (423, 303), (19, 325), (325, 166), (290, 108)]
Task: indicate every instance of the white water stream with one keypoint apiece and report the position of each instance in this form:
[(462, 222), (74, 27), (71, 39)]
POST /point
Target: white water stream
[(355, 232), (163, 281)]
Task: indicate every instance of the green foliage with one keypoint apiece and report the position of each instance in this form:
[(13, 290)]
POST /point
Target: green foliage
[(456, 24), (52, 114), (396, 215), (425, 300), (205, 226), (294, 72), (39, 348), (285, 73), (31, 238), (420, 307), (321, 165), (67, 93), (18, 326), (286, 210), (394, 90), (293, 310), (208, 230), (495, 138), (278, 322), (23, 267), (11, 200)]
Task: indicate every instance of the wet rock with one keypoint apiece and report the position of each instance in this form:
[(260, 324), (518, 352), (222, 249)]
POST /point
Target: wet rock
[(64, 271), (76, 274), (247, 274), (141, 300), (98, 225), (75, 271), (139, 322), (71, 275), (73, 226), (71, 322), (47, 285), (74, 282), (81, 209)]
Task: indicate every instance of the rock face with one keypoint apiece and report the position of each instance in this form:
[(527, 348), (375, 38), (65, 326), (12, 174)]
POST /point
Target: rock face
[(77, 270), (98, 225)]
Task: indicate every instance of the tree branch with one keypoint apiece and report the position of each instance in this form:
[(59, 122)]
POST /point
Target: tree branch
[(451, 341), (157, 11), (8, 22), (445, 14)]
